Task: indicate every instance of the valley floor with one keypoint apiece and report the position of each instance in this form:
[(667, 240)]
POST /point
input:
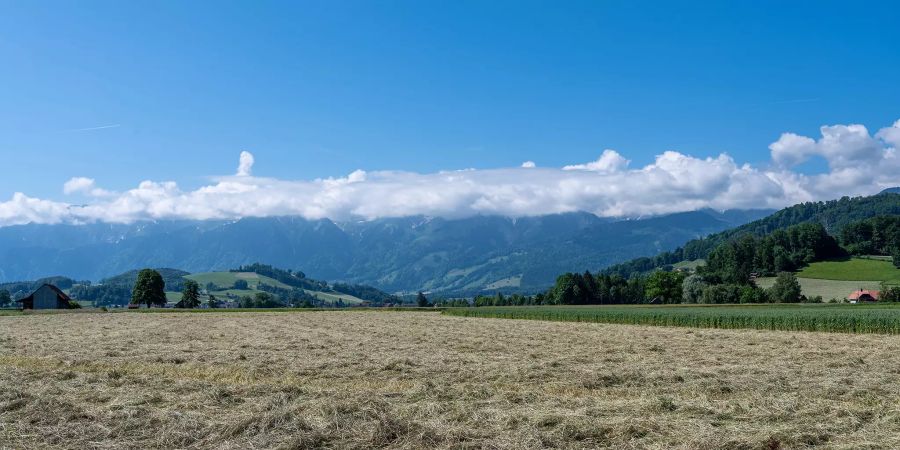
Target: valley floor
[(423, 380)]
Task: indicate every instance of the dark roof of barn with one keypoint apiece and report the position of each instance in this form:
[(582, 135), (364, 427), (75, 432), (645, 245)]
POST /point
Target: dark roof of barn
[(60, 294)]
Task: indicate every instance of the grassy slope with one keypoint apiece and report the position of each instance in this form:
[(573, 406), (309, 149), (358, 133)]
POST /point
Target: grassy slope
[(837, 279), (856, 269), (226, 280), (827, 289), (334, 296), (690, 264)]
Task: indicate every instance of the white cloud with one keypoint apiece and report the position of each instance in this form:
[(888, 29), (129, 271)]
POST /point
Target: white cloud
[(85, 186), (890, 135), (791, 149), (529, 165), (78, 184), (858, 162), (609, 161), (23, 209), (843, 146), (245, 165)]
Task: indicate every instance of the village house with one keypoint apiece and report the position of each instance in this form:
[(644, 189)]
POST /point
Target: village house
[(47, 296), (864, 295)]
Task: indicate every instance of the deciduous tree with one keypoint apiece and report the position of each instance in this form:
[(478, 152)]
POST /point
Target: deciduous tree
[(149, 289), (786, 288)]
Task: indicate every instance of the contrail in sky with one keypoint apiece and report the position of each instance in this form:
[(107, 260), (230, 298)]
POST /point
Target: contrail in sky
[(799, 100), (97, 128)]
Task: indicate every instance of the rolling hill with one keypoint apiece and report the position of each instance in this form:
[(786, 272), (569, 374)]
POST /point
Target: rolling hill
[(292, 288), (224, 287)]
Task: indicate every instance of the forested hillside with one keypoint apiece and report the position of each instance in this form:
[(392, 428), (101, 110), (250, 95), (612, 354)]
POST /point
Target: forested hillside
[(731, 269), (833, 215), (878, 235)]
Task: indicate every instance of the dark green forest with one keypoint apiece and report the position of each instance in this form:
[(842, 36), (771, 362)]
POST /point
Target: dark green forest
[(832, 215)]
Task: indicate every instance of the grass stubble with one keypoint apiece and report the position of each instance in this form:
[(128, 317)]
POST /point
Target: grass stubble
[(424, 380)]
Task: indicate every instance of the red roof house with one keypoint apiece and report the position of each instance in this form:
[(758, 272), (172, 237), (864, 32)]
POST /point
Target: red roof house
[(864, 295)]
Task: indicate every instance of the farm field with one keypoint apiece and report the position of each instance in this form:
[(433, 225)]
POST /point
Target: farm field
[(227, 279), (827, 289), (424, 380), (883, 318), (837, 279)]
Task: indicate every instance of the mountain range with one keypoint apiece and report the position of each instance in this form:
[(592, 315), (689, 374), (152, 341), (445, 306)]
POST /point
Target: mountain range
[(449, 256)]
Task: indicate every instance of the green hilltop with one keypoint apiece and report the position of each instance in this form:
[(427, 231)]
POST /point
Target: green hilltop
[(221, 284), (249, 283)]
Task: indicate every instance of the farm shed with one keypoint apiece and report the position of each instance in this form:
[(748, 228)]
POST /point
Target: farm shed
[(47, 296), (864, 295)]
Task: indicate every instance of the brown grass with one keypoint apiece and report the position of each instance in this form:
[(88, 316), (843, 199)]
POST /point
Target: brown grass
[(422, 380)]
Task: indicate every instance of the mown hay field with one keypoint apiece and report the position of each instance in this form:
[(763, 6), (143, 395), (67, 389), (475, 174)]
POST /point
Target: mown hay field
[(425, 380)]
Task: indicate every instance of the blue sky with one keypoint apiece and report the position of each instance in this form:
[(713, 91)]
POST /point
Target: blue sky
[(319, 89)]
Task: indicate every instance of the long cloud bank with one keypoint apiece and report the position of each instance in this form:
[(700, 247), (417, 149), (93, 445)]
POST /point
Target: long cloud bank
[(859, 163)]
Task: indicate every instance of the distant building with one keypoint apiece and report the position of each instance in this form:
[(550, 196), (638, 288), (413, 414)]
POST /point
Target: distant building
[(864, 295), (47, 296)]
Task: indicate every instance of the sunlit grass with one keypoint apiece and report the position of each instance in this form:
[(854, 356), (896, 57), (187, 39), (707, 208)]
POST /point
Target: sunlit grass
[(855, 269)]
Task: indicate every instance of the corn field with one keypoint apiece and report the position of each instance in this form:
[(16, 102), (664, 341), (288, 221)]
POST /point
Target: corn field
[(881, 319)]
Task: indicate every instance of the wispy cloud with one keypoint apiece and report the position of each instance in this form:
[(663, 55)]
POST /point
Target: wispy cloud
[(796, 100), (102, 127)]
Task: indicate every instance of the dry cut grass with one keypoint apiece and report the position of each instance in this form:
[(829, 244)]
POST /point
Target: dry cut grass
[(423, 380)]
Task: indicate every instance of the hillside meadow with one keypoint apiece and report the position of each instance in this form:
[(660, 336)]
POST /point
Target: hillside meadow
[(410, 380), (853, 269), (225, 281), (827, 289), (837, 279)]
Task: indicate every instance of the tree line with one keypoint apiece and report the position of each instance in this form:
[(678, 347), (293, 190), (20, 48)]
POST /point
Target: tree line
[(730, 271), (875, 236)]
